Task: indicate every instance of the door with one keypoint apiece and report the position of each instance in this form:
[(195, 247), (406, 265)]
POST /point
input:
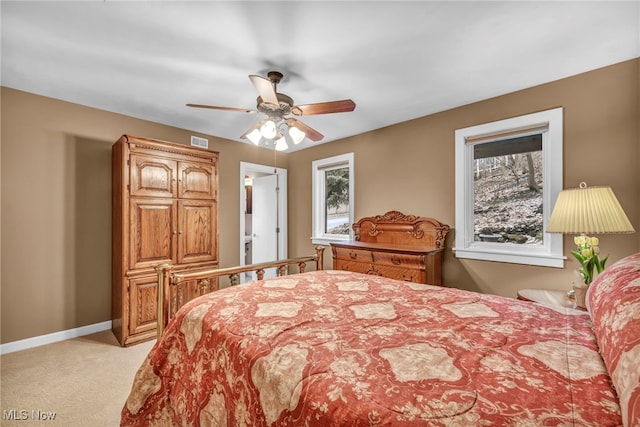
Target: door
[(197, 232), (265, 221), (248, 172), (152, 232), (143, 299), (197, 180), (152, 176)]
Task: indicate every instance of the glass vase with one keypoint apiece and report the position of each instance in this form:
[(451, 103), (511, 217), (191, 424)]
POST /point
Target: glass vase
[(580, 291)]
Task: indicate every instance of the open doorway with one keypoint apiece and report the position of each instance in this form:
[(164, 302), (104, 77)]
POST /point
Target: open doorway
[(263, 215)]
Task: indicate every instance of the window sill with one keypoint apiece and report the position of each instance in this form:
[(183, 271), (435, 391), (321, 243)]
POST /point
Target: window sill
[(542, 260), (326, 241)]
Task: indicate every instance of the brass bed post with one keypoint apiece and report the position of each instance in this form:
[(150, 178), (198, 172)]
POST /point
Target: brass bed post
[(164, 274)]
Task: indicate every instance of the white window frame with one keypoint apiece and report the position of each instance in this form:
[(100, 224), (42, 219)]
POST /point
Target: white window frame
[(548, 123), (318, 167)]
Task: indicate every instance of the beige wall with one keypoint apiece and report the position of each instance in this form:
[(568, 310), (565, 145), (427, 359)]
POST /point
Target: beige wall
[(410, 167), (56, 177), (56, 209)]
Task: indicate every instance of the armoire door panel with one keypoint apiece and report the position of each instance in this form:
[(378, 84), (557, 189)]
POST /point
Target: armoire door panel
[(196, 181), (153, 232), (197, 231), (143, 314), (153, 176), (181, 294), (187, 290)]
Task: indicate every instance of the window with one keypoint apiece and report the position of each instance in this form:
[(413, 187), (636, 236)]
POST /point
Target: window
[(508, 175), (332, 199)]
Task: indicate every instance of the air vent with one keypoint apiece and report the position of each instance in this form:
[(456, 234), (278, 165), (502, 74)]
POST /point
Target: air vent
[(196, 141)]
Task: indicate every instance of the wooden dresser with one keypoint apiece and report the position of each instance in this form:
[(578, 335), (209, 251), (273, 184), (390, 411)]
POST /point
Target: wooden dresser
[(395, 245), (165, 211)]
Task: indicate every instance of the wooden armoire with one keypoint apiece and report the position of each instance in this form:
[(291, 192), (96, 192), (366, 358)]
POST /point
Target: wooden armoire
[(165, 211)]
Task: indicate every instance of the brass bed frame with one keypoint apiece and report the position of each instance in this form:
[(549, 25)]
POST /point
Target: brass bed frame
[(168, 278)]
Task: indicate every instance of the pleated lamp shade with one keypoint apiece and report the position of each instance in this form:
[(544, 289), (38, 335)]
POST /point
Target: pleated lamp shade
[(588, 210)]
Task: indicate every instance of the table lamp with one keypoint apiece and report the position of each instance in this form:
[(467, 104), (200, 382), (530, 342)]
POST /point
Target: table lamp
[(585, 211)]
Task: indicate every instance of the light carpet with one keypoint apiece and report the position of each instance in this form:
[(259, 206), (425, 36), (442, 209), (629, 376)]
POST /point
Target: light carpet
[(79, 382)]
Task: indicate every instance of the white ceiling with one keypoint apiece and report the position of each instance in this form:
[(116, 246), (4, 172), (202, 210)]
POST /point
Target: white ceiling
[(396, 60)]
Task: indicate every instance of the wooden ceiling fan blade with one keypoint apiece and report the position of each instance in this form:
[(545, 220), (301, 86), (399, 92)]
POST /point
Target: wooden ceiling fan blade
[(265, 89), (310, 132), (215, 107), (342, 106)]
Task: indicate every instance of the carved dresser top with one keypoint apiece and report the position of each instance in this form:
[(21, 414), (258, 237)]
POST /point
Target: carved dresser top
[(397, 229)]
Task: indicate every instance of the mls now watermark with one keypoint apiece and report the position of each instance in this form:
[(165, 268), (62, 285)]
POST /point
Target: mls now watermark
[(27, 415)]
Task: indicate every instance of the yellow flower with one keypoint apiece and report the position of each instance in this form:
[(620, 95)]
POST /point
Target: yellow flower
[(587, 251), (580, 240)]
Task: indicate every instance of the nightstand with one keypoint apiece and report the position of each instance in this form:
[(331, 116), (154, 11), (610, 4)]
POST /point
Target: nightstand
[(553, 298)]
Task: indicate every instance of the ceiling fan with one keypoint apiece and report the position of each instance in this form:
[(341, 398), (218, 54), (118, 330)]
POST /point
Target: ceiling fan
[(278, 107)]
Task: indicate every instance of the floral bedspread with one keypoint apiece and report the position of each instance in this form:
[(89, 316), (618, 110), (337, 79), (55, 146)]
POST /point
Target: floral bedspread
[(334, 348)]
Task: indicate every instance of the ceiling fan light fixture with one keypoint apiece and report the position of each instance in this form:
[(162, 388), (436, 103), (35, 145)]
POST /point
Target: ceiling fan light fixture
[(254, 136), (277, 107), (281, 144), (269, 129), (296, 134)]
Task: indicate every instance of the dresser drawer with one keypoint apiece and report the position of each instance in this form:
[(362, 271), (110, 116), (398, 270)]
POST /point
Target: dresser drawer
[(353, 254), (399, 273), (356, 267), (399, 260), (408, 264)]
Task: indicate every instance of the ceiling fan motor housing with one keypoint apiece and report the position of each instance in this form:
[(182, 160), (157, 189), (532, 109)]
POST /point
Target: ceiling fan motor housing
[(282, 109)]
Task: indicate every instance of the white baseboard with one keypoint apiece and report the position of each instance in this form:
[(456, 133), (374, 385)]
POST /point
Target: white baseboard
[(10, 347)]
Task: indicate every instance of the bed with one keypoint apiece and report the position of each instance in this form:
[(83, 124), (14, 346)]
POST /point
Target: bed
[(334, 348)]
